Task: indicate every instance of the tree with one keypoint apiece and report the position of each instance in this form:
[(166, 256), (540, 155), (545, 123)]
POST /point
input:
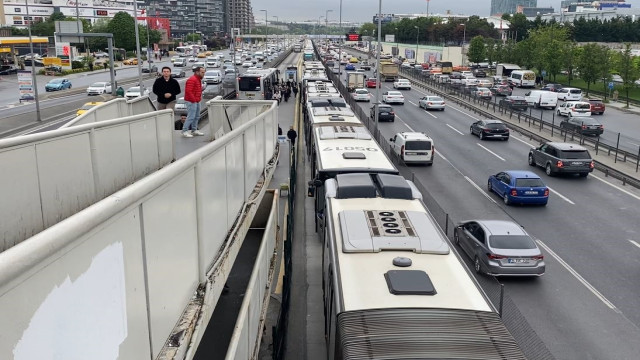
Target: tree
[(628, 71), (367, 29), (123, 29), (604, 59), (490, 45), (570, 56), (519, 26), (192, 37), (588, 65), (548, 45), (477, 50)]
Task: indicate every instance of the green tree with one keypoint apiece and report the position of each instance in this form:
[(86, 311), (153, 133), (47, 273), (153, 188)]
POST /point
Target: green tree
[(519, 26), (628, 70), (367, 29), (123, 29), (604, 58), (570, 57), (548, 44), (588, 66), (490, 45), (477, 50), (192, 37)]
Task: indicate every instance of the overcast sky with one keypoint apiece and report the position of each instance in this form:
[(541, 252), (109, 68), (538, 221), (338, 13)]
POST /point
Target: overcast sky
[(363, 10)]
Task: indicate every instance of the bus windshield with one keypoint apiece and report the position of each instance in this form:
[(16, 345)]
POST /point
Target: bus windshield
[(249, 83)]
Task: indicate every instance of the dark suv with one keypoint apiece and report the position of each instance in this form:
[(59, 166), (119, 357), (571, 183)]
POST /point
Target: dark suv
[(385, 113), (583, 125), (566, 158)]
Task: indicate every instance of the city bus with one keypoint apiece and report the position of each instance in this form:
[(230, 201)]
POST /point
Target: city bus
[(446, 66), (257, 84)]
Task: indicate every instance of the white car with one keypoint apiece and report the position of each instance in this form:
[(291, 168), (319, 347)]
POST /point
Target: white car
[(212, 77), (574, 109), (212, 64), (134, 92), (361, 95), (431, 102), (569, 94), (247, 64), (393, 97), (402, 84), (99, 88)]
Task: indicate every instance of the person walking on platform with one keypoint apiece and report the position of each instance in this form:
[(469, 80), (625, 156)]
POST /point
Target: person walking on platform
[(193, 96), (276, 96), (292, 135), (166, 88)]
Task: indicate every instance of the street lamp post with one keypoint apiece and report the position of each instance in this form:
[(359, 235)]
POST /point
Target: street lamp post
[(464, 39), (326, 27), (135, 17), (277, 21), (266, 37), (315, 31), (340, 44), (397, 46), (417, 35), (33, 68), (376, 118)]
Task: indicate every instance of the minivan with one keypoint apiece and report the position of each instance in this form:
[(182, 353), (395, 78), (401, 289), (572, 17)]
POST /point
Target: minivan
[(180, 62), (413, 147), (569, 94), (522, 78), (541, 99)]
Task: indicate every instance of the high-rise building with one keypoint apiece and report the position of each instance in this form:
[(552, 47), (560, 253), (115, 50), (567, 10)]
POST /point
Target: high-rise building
[(499, 7), (239, 15), (190, 16)]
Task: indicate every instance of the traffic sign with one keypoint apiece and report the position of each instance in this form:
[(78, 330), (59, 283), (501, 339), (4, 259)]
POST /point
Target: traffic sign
[(610, 85)]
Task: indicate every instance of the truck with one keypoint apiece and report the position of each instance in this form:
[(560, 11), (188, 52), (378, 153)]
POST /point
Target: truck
[(506, 69), (297, 47), (355, 80), (388, 71)]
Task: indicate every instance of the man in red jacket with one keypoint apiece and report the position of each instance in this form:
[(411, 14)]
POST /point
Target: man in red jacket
[(193, 96)]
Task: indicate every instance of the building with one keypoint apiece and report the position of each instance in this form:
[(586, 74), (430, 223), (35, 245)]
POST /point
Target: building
[(530, 12), (499, 7), (239, 15), (191, 16)]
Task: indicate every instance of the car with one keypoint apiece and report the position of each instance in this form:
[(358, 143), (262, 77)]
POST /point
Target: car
[(392, 97), (212, 77), (8, 70), (514, 102), (470, 89), (597, 106), (178, 73), (413, 147), (501, 90), (365, 65), (519, 187), (99, 88), (402, 84), (180, 107), (569, 94), (552, 87), (87, 106), (616, 78), (238, 61), (201, 55), (490, 129), (385, 113), (371, 83), (350, 67), (134, 92), (483, 93), (99, 55), (180, 62), (58, 84), (499, 248), (192, 59), (229, 80), (353, 60), (565, 158), (479, 73), (130, 61), (431, 102), (361, 95), (150, 69), (212, 64), (198, 64), (485, 83), (212, 90), (583, 125), (574, 108), (247, 64)]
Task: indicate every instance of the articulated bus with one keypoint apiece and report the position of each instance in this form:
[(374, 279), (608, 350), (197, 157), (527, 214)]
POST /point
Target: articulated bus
[(446, 66), (257, 84)]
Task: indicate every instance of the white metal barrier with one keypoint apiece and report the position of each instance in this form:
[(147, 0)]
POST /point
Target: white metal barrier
[(117, 276), (114, 109), (51, 175), (225, 116), (245, 341)]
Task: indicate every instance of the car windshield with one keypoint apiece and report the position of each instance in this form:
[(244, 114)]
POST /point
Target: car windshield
[(384, 109), (575, 154), (99, 84), (588, 121), (529, 182), (575, 91), (511, 242), (362, 92), (582, 106), (55, 81), (434, 98), (418, 145), (394, 93), (134, 89)]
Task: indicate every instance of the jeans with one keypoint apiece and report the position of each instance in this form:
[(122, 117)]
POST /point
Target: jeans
[(193, 115)]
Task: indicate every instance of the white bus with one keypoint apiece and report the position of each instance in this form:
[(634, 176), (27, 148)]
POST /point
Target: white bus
[(257, 84), (522, 78), (392, 286)]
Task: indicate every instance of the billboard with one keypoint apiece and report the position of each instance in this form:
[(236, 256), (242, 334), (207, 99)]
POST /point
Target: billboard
[(386, 18), (156, 23), (389, 38), (353, 37), (25, 85)]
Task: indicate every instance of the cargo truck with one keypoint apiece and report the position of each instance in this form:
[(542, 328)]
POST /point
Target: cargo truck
[(506, 69), (355, 80), (388, 71)]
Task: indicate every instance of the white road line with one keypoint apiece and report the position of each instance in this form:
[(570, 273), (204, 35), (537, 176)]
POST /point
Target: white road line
[(460, 111), (428, 112), (405, 124), (494, 154), (522, 141), (488, 196), (454, 129), (634, 243), (616, 187), (562, 196), (412, 103), (577, 276)]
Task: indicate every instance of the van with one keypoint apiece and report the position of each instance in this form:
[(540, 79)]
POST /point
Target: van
[(180, 62), (413, 147), (522, 78), (541, 99)]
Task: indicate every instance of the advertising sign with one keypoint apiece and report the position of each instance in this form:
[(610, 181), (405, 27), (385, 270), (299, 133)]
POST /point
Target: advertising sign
[(353, 37), (409, 53), (25, 85), (389, 38), (63, 51)]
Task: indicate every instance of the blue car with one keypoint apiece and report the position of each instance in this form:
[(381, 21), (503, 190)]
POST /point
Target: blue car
[(58, 84), (349, 67), (519, 187)]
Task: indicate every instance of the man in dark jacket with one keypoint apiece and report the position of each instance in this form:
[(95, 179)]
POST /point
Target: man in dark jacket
[(166, 88), (292, 135)]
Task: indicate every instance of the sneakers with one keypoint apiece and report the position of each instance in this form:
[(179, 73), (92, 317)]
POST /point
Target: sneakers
[(197, 133), (186, 134)]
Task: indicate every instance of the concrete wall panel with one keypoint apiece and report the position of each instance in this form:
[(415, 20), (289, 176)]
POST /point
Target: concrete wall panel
[(112, 155), (235, 177), (251, 162), (144, 147)]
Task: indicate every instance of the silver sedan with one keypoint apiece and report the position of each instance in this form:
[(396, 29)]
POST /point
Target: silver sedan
[(431, 102), (500, 248)]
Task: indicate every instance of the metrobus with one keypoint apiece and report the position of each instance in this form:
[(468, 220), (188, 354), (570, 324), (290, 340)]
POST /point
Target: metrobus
[(257, 84), (308, 54), (446, 66)]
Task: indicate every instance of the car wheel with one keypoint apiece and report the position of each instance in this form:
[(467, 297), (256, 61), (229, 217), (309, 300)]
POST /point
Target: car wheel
[(505, 199), (558, 112), (548, 170), (481, 135), (471, 130), (489, 186), (532, 162), (476, 265)]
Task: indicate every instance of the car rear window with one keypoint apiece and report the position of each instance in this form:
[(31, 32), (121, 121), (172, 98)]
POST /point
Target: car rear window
[(575, 91), (496, 126), (529, 182), (575, 154), (384, 108), (582, 106), (418, 145), (511, 242)]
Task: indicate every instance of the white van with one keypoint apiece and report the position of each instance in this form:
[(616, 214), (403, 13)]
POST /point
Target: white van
[(541, 99), (522, 78), (413, 147), (569, 94)]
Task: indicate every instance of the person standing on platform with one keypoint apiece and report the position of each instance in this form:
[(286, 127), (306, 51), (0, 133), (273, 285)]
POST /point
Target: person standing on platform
[(166, 88), (192, 97), (292, 135)]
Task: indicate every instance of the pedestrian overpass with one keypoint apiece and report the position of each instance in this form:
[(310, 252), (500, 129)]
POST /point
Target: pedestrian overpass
[(116, 248)]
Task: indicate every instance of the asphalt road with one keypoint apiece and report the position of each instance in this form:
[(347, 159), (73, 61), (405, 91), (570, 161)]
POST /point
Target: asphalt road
[(586, 305)]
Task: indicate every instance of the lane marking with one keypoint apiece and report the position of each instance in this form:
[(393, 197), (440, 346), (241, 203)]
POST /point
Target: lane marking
[(577, 276), (616, 187), (460, 111), (405, 124), (522, 141), (412, 103), (634, 243), (454, 129), (562, 196), (494, 154), (488, 196)]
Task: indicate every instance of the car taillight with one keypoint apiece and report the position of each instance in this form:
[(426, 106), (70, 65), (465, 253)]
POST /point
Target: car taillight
[(538, 257), (433, 148), (496, 257), (601, 127), (584, 127), (429, 103), (546, 192), (402, 150), (392, 113), (559, 164), (486, 130), (514, 192), (592, 164)]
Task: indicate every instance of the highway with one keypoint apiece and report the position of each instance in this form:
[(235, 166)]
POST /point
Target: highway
[(586, 305)]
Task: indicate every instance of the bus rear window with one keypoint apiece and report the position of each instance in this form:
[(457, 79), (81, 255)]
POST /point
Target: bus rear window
[(249, 84)]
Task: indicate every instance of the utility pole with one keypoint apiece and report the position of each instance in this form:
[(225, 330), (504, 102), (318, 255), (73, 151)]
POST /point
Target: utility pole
[(326, 27), (378, 48), (266, 36), (33, 66), (135, 17)]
